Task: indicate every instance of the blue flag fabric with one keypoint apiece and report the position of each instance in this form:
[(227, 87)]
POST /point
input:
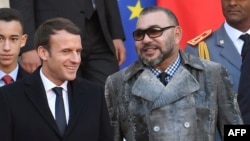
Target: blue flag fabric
[(130, 10)]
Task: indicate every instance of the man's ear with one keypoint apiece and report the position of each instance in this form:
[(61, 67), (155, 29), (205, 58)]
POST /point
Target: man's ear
[(42, 53), (178, 34), (23, 40)]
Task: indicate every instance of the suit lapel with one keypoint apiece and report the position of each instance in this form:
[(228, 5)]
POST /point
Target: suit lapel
[(229, 50), (39, 100), (181, 85), (34, 90), (148, 87), (78, 100), (228, 53), (21, 73), (145, 86)]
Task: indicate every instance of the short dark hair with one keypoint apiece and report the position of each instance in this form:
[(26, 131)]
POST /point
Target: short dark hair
[(49, 27), (10, 14), (167, 11)]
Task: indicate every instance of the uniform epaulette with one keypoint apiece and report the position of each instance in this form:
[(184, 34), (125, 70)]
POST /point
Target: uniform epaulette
[(199, 38)]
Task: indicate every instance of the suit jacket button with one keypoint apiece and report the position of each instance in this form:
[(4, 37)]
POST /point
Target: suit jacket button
[(187, 124), (157, 128)]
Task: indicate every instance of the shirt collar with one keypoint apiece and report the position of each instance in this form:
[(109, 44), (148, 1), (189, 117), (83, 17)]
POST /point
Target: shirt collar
[(170, 70), (48, 85), (234, 35), (13, 73)]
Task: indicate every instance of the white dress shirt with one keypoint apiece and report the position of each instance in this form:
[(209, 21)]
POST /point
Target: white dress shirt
[(234, 35), (51, 96)]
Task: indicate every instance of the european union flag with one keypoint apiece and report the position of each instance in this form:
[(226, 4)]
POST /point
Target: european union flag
[(130, 10)]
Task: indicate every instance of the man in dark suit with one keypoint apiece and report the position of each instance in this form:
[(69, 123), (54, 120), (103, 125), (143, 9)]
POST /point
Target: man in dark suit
[(101, 28), (12, 40), (30, 108)]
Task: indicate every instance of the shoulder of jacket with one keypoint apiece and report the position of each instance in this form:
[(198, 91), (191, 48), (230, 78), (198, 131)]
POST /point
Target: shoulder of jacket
[(195, 41)]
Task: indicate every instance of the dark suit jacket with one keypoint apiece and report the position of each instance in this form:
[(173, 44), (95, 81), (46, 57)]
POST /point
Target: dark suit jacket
[(37, 11), (25, 114), (21, 73)]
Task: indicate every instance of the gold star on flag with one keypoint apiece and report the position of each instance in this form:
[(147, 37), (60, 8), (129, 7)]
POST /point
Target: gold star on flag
[(135, 10)]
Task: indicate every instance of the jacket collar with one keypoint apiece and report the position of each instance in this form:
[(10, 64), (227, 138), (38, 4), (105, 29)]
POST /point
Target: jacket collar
[(187, 60)]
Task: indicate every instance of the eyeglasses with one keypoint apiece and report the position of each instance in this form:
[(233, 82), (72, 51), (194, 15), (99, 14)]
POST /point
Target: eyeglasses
[(152, 32)]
